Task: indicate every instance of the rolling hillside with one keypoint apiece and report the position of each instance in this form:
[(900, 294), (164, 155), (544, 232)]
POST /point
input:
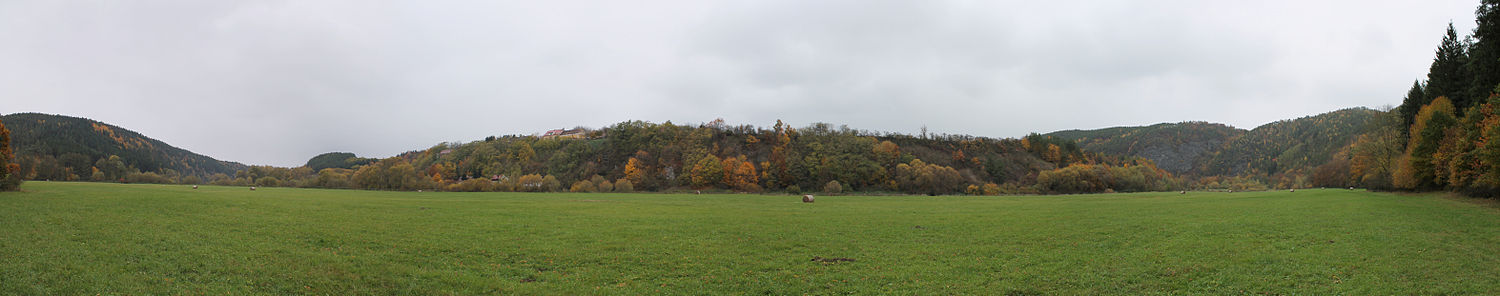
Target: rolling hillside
[(1175, 147), (1287, 145), (1201, 148), (55, 146)]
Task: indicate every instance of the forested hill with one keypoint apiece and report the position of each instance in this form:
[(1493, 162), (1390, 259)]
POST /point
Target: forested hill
[(1211, 149), (57, 147), (1175, 147), (1295, 145)]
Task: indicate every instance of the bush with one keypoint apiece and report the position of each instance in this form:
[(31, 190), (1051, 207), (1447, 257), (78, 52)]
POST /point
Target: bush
[(267, 182), (990, 189), (505, 185), (470, 185), (530, 183), (147, 177), (583, 186), (624, 185), (11, 181), (551, 184), (833, 187), (794, 189), (604, 186)]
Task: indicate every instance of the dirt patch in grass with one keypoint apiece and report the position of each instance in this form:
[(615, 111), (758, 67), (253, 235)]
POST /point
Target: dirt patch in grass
[(831, 260)]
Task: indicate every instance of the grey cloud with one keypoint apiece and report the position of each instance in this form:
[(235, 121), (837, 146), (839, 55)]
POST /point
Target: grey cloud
[(275, 82)]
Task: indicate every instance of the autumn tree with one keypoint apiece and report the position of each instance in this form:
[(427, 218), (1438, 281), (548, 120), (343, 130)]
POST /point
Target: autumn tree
[(112, 167), (740, 174), (1373, 157), (1332, 174), (529, 183), (1429, 128), (921, 177), (887, 153), (1488, 155), (393, 173), (707, 172), (634, 170), (10, 178)]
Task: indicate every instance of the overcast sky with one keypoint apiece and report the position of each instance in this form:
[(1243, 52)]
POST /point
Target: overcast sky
[(277, 82)]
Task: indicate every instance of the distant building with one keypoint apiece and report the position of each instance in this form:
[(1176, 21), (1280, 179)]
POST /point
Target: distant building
[(576, 133)]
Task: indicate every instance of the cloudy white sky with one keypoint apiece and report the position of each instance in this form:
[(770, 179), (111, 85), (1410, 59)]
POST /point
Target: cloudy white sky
[(276, 82)]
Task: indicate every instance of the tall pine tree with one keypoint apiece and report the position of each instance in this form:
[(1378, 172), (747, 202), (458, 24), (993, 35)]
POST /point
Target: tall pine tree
[(1415, 99), (1484, 54), (1449, 74)]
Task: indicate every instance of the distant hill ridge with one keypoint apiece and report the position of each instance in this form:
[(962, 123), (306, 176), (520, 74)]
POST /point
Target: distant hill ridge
[(1202, 148), (42, 141)]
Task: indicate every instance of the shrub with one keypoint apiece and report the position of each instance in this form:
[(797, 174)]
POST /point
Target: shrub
[(624, 185), (583, 186), (470, 185), (551, 184), (529, 183), (833, 187), (147, 177), (604, 185), (990, 189), (267, 182)]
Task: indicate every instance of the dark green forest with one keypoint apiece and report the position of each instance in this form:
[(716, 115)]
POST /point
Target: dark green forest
[(1282, 154), (56, 147), (1180, 148)]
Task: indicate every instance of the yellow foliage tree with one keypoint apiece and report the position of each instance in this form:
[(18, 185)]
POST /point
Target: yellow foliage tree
[(1427, 132), (633, 170), (707, 172), (739, 173)]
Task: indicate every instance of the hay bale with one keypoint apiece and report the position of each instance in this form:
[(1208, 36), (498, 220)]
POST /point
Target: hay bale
[(195, 186), (252, 188), (807, 198)]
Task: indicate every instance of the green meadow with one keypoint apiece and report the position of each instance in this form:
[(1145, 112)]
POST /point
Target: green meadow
[(93, 238)]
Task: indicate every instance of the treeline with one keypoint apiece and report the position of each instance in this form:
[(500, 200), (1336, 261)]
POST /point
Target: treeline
[(1444, 134), (643, 156)]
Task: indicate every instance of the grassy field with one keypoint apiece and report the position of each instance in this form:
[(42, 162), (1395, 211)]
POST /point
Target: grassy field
[(85, 238)]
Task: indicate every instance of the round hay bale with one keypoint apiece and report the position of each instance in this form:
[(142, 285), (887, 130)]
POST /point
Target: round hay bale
[(252, 188), (807, 198), (195, 186)]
